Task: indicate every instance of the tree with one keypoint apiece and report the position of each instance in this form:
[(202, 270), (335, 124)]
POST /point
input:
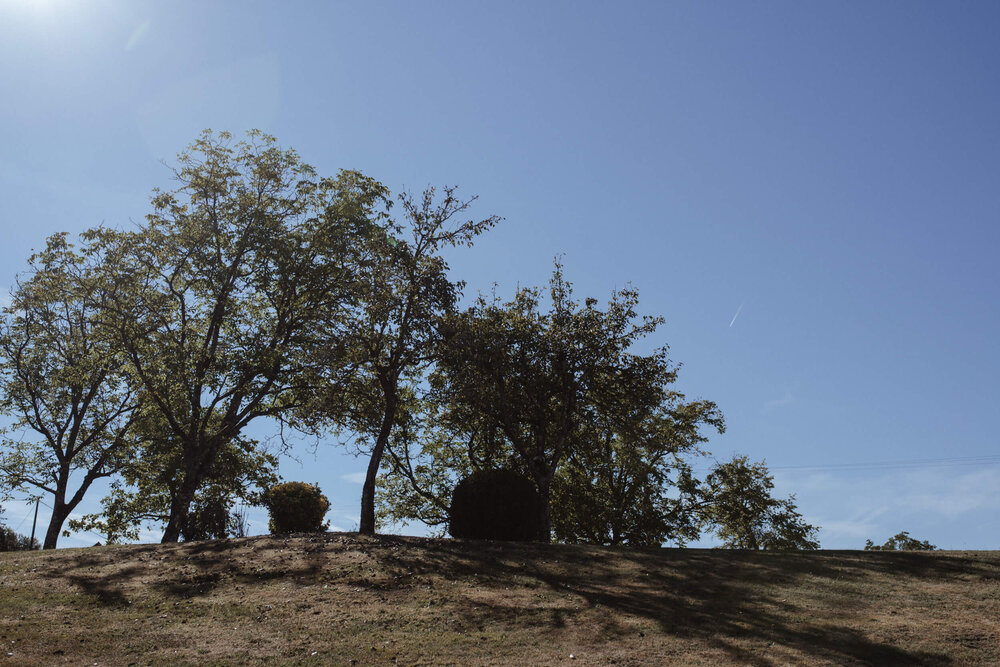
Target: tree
[(12, 541), (520, 389), (900, 542), (231, 302), (144, 491), (633, 484), (739, 508), (405, 291), (63, 382)]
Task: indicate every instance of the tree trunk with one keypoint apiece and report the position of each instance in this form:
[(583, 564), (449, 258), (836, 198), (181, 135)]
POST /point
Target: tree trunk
[(60, 510), (545, 514), (179, 506), (367, 525), (178, 518)]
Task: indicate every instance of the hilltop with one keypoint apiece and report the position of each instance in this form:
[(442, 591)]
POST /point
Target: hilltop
[(339, 598)]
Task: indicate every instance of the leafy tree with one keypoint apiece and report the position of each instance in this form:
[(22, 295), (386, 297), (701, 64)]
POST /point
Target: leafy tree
[(11, 541), (900, 542), (63, 382), (230, 303), (208, 520), (633, 483), (405, 290), (739, 508), (144, 491), (540, 392)]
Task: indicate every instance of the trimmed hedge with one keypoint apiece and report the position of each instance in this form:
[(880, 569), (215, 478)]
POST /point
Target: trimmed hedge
[(296, 507)]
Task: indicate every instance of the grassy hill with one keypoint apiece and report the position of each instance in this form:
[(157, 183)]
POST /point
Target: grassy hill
[(340, 598)]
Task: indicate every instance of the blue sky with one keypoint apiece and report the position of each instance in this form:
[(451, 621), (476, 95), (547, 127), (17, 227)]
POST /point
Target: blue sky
[(807, 192)]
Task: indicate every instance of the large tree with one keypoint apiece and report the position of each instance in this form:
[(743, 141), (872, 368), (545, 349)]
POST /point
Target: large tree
[(405, 291), (517, 387), (63, 382), (231, 301)]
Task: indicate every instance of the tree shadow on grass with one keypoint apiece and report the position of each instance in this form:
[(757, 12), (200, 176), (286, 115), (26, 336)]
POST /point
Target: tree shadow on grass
[(688, 593), (107, 591), (727, 600)]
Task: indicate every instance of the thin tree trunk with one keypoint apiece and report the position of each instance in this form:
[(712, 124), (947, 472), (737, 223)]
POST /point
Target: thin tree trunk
[(545, 515), (367, 525)]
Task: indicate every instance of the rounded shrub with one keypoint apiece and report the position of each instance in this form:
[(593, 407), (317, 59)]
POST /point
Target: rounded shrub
[(296, 507), (495, 505)]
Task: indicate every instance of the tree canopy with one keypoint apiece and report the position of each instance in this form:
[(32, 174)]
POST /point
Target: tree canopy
[(64, 382), (231, 302), (561, 397), (742, 512), (900, 542), (256, 289)]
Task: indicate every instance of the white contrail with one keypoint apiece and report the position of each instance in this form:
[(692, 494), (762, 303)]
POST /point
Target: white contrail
[(736, 315), (137, 34)]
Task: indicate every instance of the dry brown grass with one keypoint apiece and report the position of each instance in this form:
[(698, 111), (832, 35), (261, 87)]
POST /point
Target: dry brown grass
[(343, 599)]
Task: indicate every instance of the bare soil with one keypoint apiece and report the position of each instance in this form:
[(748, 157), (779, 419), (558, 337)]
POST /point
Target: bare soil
[(343, 599)]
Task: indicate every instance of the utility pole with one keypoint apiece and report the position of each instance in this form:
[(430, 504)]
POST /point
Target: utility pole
[(31, 544)]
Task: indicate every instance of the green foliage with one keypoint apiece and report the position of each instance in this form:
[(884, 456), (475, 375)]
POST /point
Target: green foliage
[(63, 382), (405, 291), (208, 520), (11, 541), (900, 542), (633, 484), (142, 493), (233, 300), (561, 397), (496, 505), (296, 507), (739, 509)]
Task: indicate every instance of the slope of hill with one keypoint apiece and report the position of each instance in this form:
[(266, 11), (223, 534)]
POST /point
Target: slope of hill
[(340, 598)]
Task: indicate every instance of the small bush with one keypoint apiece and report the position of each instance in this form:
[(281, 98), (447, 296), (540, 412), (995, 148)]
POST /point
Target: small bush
[(296, 507), (495, 505)]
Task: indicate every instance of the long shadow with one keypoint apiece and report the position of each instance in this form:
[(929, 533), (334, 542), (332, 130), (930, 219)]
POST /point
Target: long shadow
[(717, 597), (687, 594), (107, 590)]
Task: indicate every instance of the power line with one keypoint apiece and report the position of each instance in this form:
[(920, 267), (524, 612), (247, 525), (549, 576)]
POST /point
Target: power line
[(904, 463), (900, 464), (23, 519)]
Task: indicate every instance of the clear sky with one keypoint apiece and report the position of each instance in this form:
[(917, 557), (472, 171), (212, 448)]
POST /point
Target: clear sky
[(807, 192)]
